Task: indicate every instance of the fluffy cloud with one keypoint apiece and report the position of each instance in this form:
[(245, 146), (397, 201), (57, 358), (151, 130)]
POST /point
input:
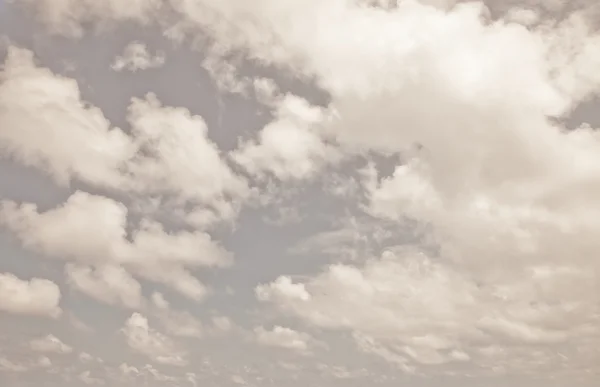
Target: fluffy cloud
[(67, 16), (414, 310), (50, 344), (177, 159), (289, 147), (506, 277), (152, 253), (151, 343), (109, 284), (283, 338), (167, 159), (37, 297), (176, 323), (136, 57), (7, 365), (86, 378), (46, 125)]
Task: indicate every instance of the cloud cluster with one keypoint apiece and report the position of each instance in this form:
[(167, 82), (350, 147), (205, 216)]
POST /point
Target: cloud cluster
[(136, 57), (37, 297), (50, 344), (147, 341), (506, 277), (283, 338), (167, 158), (152, 253)]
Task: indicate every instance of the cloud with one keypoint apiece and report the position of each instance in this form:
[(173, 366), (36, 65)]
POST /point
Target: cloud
[(86, 378), (66, 17), (78, 324), (36, 297), (151, 343), (505, 278), (176, 323), (282, 337), (167, 161), (136, 57), (413, 310), (176, 158), (282, 287), (289, 147), (112, 285), (152, 253), (8, 366), (50, 344), (222, 323), (46, 125)]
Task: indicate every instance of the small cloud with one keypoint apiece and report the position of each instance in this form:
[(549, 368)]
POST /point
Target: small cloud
[(136, 57), (50, 344)]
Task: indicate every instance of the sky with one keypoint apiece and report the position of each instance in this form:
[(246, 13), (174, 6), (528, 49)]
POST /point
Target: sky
[(299, 193)]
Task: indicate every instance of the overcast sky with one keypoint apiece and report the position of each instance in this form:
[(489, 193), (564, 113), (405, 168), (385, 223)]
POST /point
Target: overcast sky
[(293, 193)]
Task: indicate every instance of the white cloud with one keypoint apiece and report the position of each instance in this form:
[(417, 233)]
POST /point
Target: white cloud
[(179, 160), (168, 159), (523, 16), (289, 147), (45, 124), (85, 357), (7, 365), (34, 297), (412, 309), (50, 344), (508, 197), (136, 57), (86, 378), (78, 324), (44, 362), (67, 16), (222, 323), (175, 322), (159, 301), (151, 343), (282, 287), (283, 338), (109, 284), (152, 253)]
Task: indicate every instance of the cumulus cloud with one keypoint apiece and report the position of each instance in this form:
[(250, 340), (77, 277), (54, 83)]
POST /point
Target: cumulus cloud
[(36, 297), (152, 253), (112, 285), (282, 337), (470, 101), (50, 344), (86, 378), (7, 365), (176, 323), (46, 125), (137, 57), (167, 158), (147, 341), (289, 147), (412, 309), (66, 17)]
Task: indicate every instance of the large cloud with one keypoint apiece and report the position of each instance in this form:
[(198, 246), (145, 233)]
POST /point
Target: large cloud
[(509, 196), (413, 309), (67, 16), (45, 124), (290, 146), (167, 158), (108, 283), (93, 231), (37, 297), (151, 343)]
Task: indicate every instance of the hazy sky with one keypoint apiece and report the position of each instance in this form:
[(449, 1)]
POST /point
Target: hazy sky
[(299, 193)]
